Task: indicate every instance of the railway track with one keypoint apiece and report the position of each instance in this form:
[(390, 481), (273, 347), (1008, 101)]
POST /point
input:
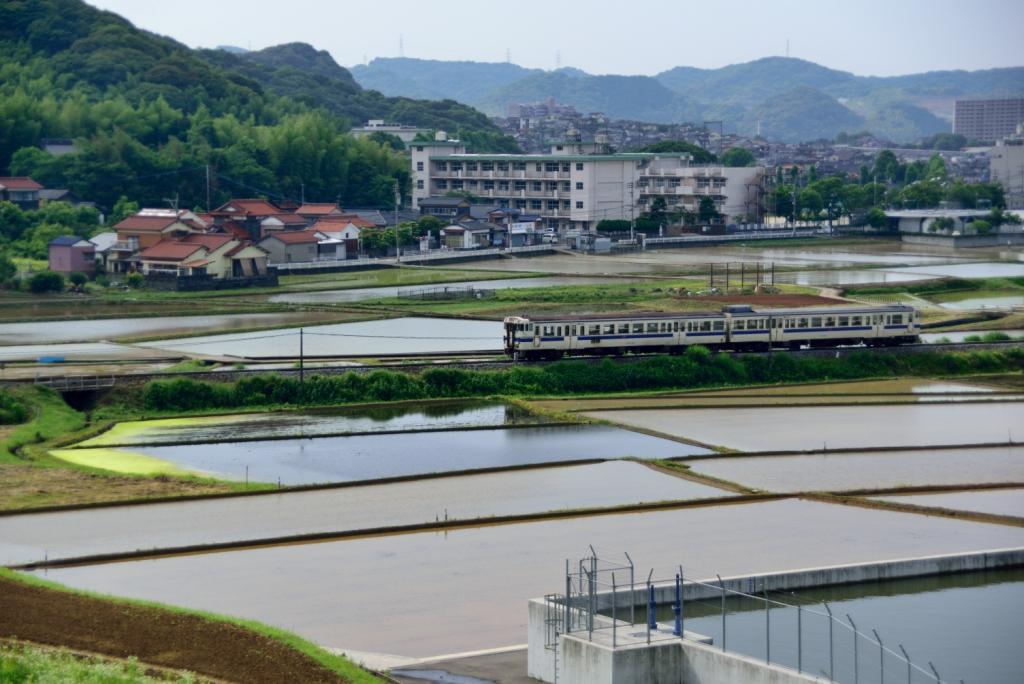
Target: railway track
[(418, 363)]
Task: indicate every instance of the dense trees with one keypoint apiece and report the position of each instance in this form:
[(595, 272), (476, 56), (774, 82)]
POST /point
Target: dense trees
[(738, 156), (700, 155)]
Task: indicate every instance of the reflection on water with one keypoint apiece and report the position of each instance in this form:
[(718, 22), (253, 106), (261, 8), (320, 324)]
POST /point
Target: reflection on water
[(369, 338), (313, 422), (995, 501), (365, 457), (968, 625), (985, 303)]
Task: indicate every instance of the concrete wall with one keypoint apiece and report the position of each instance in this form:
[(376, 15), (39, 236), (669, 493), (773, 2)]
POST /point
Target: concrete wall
[(703, 664), (1003, 239)]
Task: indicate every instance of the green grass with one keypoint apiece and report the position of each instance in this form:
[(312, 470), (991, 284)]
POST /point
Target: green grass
[(337, 664), (24, 264), (25, 664), (188, 366), (944, 287), (51, 419)]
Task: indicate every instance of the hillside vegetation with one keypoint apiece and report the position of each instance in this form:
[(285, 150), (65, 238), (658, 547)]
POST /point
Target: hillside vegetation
[(149, 114)]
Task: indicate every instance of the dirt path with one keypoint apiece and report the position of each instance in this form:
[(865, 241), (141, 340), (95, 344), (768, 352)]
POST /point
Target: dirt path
[(162, 638)]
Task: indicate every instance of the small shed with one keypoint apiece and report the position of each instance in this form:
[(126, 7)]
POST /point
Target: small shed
[(72, 254)]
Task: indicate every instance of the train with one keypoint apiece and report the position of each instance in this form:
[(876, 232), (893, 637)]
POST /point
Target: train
[(734, 328)]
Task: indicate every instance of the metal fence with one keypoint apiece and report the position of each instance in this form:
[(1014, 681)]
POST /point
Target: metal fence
[(782, 629)]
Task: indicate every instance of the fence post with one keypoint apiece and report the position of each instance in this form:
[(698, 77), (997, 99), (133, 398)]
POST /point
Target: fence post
[(881, 657), (906, 656), (722, 584), (831, 645), (682, 604), (799, 639), (652, 622), (614, 618), (856, 673), (677, 627), (767, 625), (568, 593), (938, 677)]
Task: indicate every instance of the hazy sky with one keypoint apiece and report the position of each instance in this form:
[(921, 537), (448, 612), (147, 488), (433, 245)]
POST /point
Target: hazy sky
[(868, 37)]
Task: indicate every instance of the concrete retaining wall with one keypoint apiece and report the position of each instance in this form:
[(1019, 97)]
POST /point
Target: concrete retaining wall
[(581, 659), (1005, 239)]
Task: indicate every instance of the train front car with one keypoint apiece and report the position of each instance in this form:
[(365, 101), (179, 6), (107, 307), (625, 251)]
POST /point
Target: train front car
[(517, 330)]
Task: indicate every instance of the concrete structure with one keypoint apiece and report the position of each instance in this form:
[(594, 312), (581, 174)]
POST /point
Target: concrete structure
[(71, 254), (401, 131), (988, 120), (579, 184), (918, 221), (292, 246), (103, 244), (1006, 167), (584, 657), (20, 190)]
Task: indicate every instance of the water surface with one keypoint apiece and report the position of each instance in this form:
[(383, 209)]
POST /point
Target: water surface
[(994, 501), (367, 457), (437, 593)]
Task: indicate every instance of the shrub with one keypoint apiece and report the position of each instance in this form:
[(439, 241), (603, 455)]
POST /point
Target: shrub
[(78, 279), (46, 281), (12, 411), (134, 280)]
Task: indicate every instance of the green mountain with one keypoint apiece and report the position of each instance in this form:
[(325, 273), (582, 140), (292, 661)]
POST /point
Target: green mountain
[(150, 116), (902, 108), (622, 97), (802, 113), (304, 74), (436, 79)]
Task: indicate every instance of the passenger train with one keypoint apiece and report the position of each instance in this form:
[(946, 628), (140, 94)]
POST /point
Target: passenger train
[(738, 328)]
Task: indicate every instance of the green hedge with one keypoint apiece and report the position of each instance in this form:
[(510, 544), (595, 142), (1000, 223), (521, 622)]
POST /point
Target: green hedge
[(12, 410), (693, 369)]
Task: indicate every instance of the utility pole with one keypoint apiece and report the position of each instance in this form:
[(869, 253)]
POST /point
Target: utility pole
[(302, 377), (302, 193), (208, 207), (398, 200)]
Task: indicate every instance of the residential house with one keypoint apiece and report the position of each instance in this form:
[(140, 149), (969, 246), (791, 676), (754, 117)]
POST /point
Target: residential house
[(347, 228), (297, 246), (140, 232), (445, 208), (216, 256), (469, 234), (20, 190), (279, 222), (312, 211), (249, 213), (63, 195), (103, 244), (71, 254)]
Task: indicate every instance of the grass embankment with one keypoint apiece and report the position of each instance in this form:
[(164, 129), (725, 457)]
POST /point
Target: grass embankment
[(26, 664), (665, 295), (34, 478), (945, 289), (210, 645), (696, 368)]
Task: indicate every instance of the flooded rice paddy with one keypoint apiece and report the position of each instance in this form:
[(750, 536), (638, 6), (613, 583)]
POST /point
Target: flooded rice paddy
[(313, 423), (112, 328), (868, 470), (959, 335), (368, 456), (981, 644), (365, 293), (993, 501), (82, 351), (369, 338), (461, 590), (833, 427), (1001, 302), (27, 538)]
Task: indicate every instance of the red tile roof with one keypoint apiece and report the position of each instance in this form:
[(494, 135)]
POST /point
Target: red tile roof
[(152, 224), (289, 219), (246, 207), (236, 229), (294, 237), (19, 183), (335, 223), (170, 250), (211, 241), (317, 208)]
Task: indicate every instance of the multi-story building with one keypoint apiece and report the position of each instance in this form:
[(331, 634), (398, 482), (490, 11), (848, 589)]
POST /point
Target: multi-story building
[(988, 120), (1006, 166), (580, 184), (403, 132)]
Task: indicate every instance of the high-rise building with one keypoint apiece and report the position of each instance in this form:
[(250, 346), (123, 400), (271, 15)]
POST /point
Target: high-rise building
[(988, 120), (579, 184), (1006, 167)]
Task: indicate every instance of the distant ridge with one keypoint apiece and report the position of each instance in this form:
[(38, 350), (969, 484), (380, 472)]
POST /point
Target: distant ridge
[(818, 101)]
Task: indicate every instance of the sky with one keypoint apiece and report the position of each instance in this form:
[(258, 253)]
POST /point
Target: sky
[(866, 37)]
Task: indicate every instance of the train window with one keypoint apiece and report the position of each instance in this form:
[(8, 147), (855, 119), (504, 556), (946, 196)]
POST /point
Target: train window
[(638, 327), (803, 323), (719, 325), (623, 328), (856, 320), (897, 319), (739, 324), (547, 330), (844, 321), (705, 326), (830, 321), (559, 333), (675, 326), (595, 329), (652, 327), (816, 322), (609, 329)]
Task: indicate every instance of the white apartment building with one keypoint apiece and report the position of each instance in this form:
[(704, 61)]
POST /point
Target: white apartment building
[(1006, 166), (578, 185)]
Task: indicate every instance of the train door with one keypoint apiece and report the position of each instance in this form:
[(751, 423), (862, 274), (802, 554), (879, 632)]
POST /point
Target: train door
[(536, 335), (774, 330)]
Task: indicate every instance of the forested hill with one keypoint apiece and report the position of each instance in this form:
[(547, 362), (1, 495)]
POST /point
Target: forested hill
[(148, 114)]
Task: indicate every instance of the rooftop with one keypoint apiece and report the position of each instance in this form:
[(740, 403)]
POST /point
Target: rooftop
[(18, 183), (67, 241), (170, 250), (295, 237)]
